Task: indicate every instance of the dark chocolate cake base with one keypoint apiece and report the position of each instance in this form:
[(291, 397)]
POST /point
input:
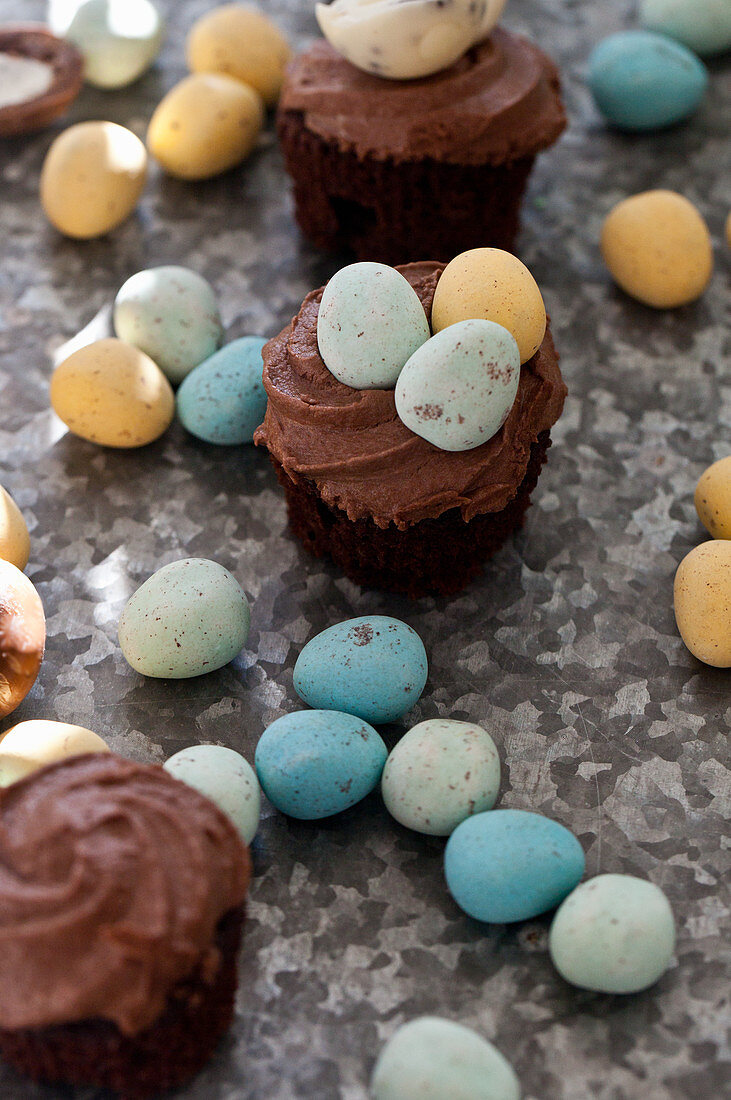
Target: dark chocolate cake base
[(393, 212), (170, 1052), (432, 557)]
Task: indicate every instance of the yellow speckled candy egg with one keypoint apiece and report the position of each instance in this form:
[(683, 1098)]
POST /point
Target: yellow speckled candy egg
[(658, 248), (31, 745), (14, 537), (703, 602), (110, 392), (205, 125), (496, 286), (243, 43), (713, 498), (92, 177)]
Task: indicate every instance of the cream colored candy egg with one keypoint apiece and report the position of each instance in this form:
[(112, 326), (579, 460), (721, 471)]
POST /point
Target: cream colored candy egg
[(658, 249), (205, 125), (110, 392), (14, 537), (494, 285), (31, 745), (240, 42), (92, 177), (703, 602), (713, 498)]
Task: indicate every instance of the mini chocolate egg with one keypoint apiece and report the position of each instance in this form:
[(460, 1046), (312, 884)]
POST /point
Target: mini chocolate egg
[(369, 322), (704, 26), (439, 773), (613, 934), (713, 498), (432, 1057), (495, 286), (188, 618), (112, 393), (119, 39), (457, 389), (702, 598), (226, 778), (373, 666), (92, 177), (645, 81), (31, 745), (510, 865), (658, 249), (171, 314), (14, 537), (223, 400), (315, 763), (22, 636), (205, 125), (240, 42)]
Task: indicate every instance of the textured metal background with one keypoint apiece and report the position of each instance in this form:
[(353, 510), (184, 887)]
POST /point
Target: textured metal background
[(566, 650)]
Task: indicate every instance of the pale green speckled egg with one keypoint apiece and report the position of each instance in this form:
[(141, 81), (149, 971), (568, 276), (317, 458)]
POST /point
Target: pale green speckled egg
[(226, 778)]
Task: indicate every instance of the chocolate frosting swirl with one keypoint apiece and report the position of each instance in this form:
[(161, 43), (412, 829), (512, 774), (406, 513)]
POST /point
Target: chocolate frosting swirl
[(497, 103), (113, 877), (363, 458)]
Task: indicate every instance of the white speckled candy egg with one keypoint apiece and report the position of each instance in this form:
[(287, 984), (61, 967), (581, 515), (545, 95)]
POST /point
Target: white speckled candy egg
[(31, 745), (704, 26), (171, 314), (613, 934), (439, 773), (112, 393), (315, 763), (118, 38), (713, 499), (370, 321), (226, 778), (14, 537), (457, 389), (372, 666), (223, 400), (188, 618), (702, 598), (240, 41), (434, 1058)]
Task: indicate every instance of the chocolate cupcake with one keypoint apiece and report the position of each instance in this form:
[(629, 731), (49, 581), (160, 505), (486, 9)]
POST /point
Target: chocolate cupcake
[(121, 903), (428, 166), (393, 510)]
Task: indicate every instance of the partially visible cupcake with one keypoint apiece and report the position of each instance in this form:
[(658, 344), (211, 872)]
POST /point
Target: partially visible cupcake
[(121, 903), (391, 164)]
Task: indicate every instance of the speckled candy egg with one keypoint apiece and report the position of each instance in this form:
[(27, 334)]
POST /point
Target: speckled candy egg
[(613, 934), (34, 744), (713, 498), (226, 778), (92, 177), (658, 248), (369, 322), (112, 393), (456, 391), (435, 1058), (118, 38), (170, 313), (704, 26), (205, 125), (509, 865), (493, 285), (315, 763), (14, 537), (22, 636), (188, 618), (240, 41), (372, 666), (702, 600), (645, 81), (440, 773), (223, 400)]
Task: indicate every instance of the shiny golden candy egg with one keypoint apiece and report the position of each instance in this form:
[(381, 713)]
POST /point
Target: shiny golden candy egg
[(22, 636), (702, 600), (240, 42), (713, 499), (14, 537)]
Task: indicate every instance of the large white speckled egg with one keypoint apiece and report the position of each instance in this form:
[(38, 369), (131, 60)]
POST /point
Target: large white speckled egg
[(41, 741), (226, 778)]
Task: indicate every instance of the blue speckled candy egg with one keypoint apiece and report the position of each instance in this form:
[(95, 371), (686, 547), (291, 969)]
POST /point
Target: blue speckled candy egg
[(315, 763), (370, 321), (456, 391), (613, 934), (223, 400), (226, 778), (644, 81), (373, 666), (188, 618), (509, 865), (704, 26), (172, 315)]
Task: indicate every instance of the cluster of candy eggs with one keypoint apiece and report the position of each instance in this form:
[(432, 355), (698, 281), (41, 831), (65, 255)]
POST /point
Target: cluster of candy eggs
[(456, 380)]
